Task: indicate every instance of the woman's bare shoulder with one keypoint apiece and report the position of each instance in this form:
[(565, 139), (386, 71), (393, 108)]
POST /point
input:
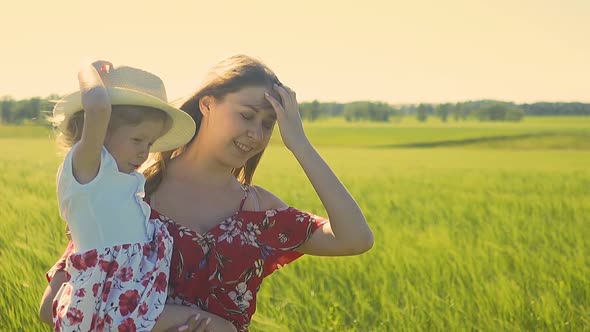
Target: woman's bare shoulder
[(267, 200)]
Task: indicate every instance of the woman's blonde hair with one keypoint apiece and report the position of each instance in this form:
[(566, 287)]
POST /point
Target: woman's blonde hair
[(228, 76), (121, 115)]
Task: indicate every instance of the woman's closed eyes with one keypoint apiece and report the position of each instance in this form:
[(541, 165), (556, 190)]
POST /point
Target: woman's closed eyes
[(268, 124)]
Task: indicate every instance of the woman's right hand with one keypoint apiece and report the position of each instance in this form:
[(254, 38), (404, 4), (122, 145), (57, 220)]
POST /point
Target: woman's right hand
[(200, 323), (181, 318), (288, 118), (193, 324)]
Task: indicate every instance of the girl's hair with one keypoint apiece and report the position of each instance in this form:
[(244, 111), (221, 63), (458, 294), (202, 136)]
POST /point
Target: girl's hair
[(121, 115), (228, 76)]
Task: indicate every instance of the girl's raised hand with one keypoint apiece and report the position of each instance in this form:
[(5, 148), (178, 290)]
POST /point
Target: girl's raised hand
[(93, 93), (288, 117), (102, 66), (87, 75), (97, 112)]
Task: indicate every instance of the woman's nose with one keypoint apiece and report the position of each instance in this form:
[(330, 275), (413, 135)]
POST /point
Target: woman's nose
[(256, 133)]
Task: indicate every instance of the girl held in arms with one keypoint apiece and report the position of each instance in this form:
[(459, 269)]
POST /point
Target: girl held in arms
[(117, 273)]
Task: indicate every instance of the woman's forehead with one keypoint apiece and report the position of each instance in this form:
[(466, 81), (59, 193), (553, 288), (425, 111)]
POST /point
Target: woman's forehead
[(253, 94), (252, 97)]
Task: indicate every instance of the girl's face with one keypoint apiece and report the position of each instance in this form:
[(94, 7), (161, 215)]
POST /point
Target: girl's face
[(130, 144), (240, 125)]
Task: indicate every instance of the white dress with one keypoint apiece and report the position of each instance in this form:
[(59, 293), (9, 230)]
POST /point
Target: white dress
[(118, 274)]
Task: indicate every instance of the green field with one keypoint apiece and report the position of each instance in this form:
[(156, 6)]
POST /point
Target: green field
[(478, 227)]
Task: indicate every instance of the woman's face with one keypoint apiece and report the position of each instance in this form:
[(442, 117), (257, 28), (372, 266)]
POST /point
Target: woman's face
[(240, 125)]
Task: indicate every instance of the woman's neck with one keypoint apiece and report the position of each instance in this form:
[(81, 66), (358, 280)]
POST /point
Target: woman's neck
[(197, 166)]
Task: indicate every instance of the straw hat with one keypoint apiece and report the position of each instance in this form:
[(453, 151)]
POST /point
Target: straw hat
[(133, 86)]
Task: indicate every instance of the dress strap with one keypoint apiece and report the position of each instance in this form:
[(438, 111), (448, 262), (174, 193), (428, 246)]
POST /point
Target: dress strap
[(255, 199), (246, 189)]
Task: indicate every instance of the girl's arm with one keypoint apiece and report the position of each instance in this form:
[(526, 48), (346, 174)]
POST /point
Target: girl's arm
[(347, 232), (97, 112), (47, 300)]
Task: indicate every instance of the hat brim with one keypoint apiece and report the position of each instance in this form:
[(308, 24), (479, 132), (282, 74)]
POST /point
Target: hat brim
[(181, 131)]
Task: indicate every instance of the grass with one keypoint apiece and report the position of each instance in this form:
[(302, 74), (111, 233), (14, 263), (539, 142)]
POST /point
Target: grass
[(484, 236)]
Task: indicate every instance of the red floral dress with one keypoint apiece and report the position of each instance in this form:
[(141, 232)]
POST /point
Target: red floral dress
[(220, 271), (117, 288)]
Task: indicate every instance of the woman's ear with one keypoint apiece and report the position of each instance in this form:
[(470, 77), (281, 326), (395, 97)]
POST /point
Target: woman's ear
[(205, 105)]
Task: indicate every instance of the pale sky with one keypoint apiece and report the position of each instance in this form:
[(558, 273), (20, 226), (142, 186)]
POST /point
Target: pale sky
[(388, 50)]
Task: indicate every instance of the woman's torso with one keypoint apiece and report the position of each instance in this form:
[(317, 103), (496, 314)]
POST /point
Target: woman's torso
[(209, 261), (200, 207), (221, 266)]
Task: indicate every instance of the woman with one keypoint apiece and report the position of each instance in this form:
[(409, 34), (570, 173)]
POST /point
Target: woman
[(229, 235)]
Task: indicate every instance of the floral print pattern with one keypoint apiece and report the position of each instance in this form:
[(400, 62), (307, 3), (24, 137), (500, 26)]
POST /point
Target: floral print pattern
[(221, 270), (118, 288)]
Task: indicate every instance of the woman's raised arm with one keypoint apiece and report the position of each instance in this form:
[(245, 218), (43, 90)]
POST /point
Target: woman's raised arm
[(347, 232)]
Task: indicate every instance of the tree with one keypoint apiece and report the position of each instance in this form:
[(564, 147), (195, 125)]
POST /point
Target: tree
[(514, 114), (314, 111), (443, 110), (371, 111), (457, 111), (499, 112), (422, 112), (6, 109)]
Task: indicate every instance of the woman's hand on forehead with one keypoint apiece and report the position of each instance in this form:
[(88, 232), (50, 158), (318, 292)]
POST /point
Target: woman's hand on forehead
[(288, 117)]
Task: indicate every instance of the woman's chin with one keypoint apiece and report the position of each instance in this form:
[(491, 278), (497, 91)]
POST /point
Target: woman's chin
[(237, 160), (234, 162)]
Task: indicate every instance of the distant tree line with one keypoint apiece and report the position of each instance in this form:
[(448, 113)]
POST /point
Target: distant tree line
[(483, 110), (30, 111), (556, 109), (35, 110), (353, 111), (493, 110)]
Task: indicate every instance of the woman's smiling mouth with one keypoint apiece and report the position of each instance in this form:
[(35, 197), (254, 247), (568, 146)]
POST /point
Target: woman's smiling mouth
[(242, 147)]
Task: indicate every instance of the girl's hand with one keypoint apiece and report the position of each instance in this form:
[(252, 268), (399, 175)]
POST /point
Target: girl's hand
[(102, 66), (288, 117), (94, 94)]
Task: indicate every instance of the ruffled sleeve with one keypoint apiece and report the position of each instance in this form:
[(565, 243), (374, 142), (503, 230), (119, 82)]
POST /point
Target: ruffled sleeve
[(68, 186), (60, 265), (283, 231)]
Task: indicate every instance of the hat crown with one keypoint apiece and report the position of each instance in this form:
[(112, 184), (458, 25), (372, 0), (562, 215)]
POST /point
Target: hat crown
[(135, 79), (133, 86)]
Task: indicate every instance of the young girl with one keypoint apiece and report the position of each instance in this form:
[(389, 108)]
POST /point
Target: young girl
[(118, 273)]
